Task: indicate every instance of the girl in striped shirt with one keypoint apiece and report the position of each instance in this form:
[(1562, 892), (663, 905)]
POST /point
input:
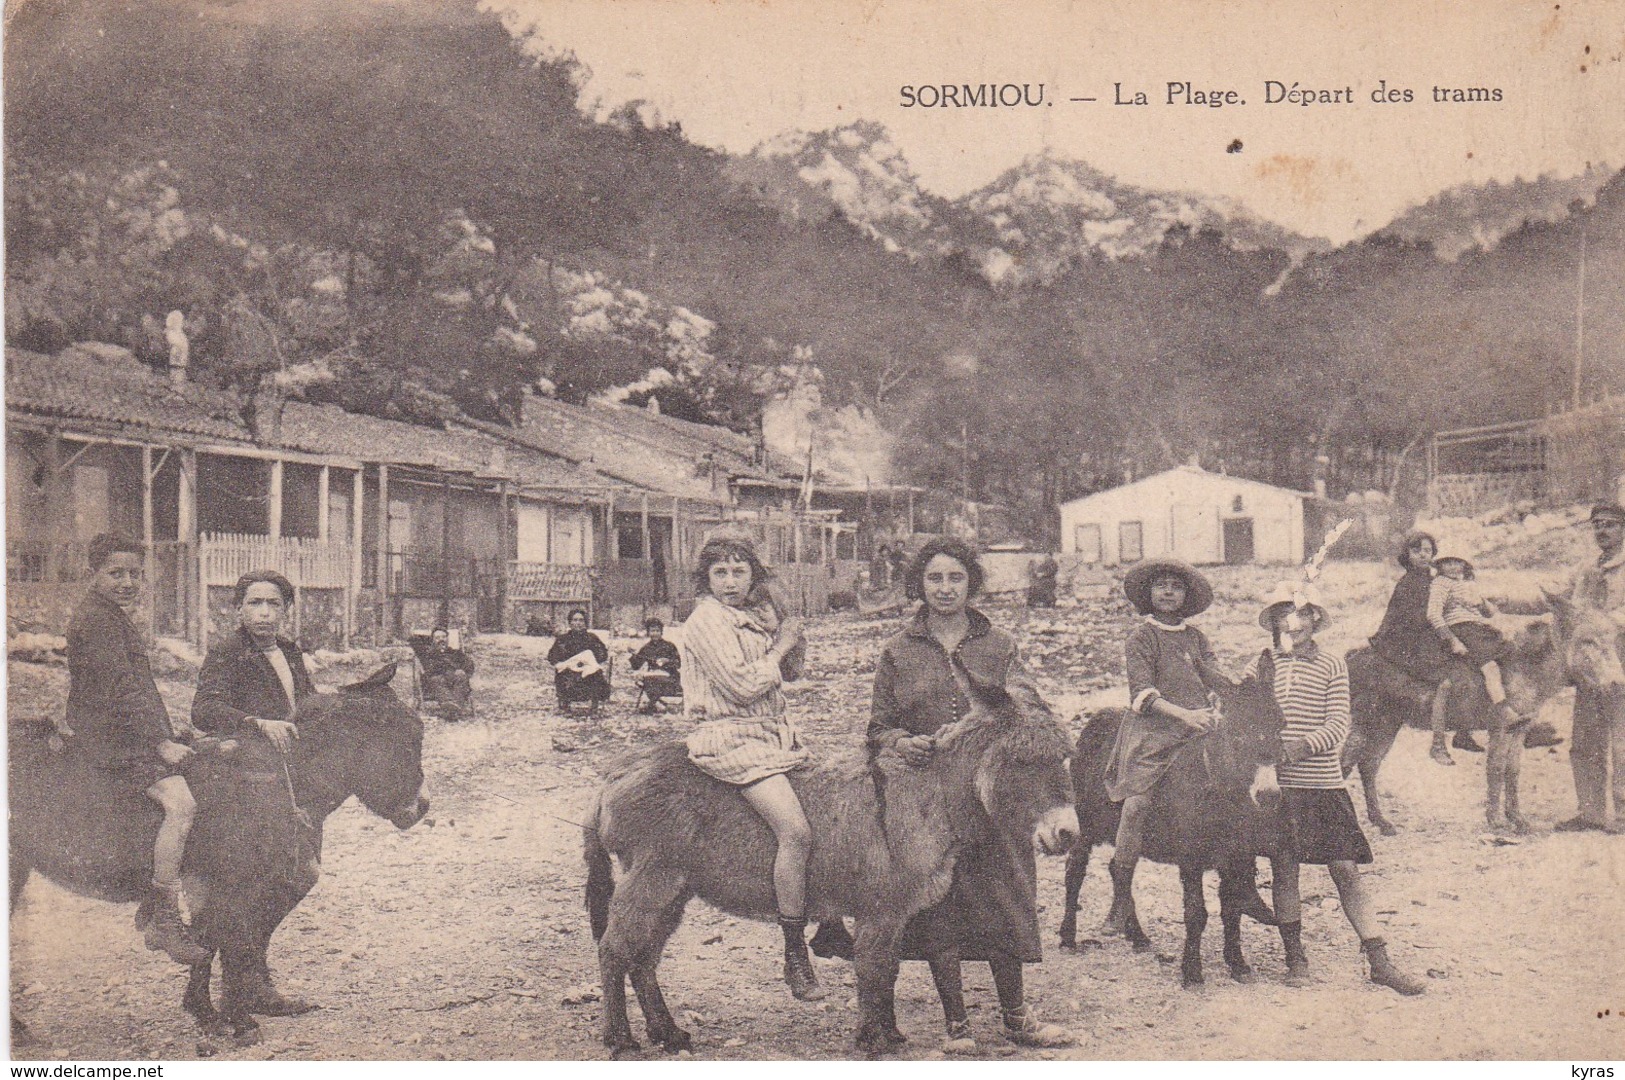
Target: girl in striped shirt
[(1317, 816), (731, 671), (1460, 615)]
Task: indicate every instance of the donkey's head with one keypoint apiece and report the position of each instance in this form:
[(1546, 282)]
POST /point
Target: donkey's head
[(1589, 642), (362, 741), (1245, 747), (1016, 763)]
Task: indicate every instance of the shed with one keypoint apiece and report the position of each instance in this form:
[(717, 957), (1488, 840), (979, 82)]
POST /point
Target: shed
[(1190, 513)]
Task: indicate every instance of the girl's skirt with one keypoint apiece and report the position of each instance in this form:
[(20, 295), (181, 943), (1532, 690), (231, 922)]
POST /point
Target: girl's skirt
[(746, 749), (1484, 642), (1318, 826)]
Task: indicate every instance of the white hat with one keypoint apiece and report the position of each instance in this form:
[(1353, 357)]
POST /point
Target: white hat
[(1300, 594)]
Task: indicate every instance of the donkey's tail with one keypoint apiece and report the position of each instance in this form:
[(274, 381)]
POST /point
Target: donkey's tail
[(600, 876)]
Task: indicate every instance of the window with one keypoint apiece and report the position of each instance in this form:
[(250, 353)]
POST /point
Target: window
[(1130, 541), (1236, 506), (1086, 541)]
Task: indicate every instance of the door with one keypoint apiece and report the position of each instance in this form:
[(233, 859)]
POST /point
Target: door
[(1238, 541), (1086, 542)]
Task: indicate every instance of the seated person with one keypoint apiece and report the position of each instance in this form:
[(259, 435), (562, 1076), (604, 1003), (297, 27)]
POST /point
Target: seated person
[(446, 671), (1460, 615), (578, 679), (250, 685), (657, 666), (119, 723)]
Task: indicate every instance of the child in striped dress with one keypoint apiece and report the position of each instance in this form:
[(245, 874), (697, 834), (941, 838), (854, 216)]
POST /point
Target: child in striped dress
[(1317, 816), (731, 671), (1460, 615)]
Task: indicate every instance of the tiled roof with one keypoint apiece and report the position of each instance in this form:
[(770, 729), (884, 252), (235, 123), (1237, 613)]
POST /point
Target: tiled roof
[(108, 384), (734, 453), (615, 448)]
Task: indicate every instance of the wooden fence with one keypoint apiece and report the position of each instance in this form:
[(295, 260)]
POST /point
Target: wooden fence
[(322, 576)]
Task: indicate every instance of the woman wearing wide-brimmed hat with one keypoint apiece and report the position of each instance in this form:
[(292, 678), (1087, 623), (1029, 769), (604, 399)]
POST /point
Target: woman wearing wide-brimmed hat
[(1171, 674)]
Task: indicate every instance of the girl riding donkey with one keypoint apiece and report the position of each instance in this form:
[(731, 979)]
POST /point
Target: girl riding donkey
[(121, 725), (731, 673), (1171, 673)]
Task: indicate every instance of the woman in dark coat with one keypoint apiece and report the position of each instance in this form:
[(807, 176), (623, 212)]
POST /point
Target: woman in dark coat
[(1409, 644), (572, 685), (991, 911), (250, 685)]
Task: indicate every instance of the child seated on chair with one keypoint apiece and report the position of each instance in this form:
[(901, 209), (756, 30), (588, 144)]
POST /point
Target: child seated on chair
[(657, 666)]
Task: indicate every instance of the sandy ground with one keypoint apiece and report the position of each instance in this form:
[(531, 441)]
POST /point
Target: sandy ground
[(465, 937)]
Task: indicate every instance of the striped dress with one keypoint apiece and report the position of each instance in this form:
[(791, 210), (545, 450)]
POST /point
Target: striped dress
[(1456, 608), (732, 688), (1318, 820)]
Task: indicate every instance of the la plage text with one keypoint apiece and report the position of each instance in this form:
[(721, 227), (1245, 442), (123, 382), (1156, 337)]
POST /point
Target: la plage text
[(1289, 92)]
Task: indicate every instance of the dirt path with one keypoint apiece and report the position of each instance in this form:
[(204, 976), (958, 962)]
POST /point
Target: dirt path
[(466, 938)]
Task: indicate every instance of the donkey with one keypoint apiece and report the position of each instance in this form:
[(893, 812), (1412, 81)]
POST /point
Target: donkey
[(1574, 644), (255, 848), (885, 837), (1212, 810)]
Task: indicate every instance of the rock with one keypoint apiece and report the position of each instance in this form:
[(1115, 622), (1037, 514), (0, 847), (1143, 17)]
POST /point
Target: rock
[(579, 995), (714, 939), (736, 1041)]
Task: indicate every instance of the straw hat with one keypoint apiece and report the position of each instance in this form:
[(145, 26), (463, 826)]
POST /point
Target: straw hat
[(1299, 594), (1137, 586)]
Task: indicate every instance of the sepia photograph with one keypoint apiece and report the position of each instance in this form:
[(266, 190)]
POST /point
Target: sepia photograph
[(738, 530)]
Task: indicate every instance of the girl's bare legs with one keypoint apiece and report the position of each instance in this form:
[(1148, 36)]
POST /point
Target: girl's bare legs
[(775, 800)]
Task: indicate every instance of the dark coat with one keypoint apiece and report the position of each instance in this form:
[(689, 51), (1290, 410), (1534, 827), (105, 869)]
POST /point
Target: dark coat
[(115, 711), (661, 656), (442, 662), (1405, 639), (237, 682), (567, 684), (991, 910)]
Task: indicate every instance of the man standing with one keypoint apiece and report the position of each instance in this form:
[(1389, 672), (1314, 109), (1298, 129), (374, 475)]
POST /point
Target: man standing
[(1599, 728)]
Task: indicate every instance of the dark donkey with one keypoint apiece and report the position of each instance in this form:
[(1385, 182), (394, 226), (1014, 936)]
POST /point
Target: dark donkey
[(884, 842), (1205, 815), (255, 848), (1574, 644)]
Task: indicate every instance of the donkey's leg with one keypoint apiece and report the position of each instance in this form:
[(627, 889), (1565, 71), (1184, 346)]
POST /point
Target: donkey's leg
[(1495, 771), (656, 1016), (1369, 762), (1232, 900), (198, 1000), (1077, 868), (19, 870), (236, 965), (636, 930), (1514, 773), (1190, 968), (875, 961)]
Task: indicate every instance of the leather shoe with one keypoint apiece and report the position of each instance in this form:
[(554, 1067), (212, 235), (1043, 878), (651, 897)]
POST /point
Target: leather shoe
[(1579, 824)]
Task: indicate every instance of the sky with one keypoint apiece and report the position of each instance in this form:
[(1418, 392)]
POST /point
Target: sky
[(738, 72)]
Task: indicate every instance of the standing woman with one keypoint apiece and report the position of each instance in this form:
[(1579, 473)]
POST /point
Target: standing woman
[(991, 911), (731, 676)]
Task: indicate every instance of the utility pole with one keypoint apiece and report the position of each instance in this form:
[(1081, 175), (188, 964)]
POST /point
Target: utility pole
[(1580, 322)]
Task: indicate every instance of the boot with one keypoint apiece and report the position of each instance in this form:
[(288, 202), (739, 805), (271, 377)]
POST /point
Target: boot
[(1464, 741), (961, 1042), (1025, 1029), (1297, 961), (1440, 751), (833, 941), (1116, 924), (167, 931), (1383, 971), (1541, 734), (798, 969)]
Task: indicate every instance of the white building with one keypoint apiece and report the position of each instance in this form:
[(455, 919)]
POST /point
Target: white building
[(1189, 513)]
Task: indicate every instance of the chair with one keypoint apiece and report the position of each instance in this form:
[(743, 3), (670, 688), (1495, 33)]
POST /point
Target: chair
[(575, 703), (658, 693), (421, 701)]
